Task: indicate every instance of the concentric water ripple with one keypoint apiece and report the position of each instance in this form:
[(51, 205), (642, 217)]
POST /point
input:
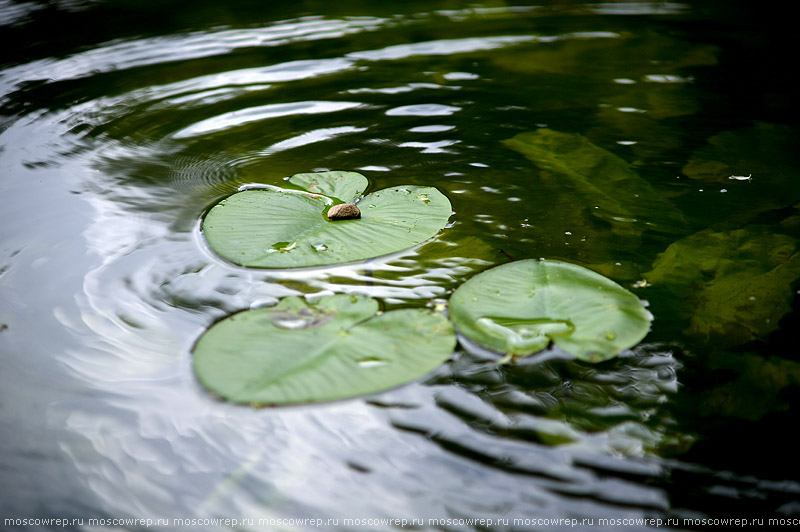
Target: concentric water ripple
[(114, 153)]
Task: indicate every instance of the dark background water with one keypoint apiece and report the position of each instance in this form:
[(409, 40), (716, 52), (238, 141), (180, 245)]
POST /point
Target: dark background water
[(123, 122)]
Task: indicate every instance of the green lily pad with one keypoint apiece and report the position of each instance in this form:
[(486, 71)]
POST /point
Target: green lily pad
[(279, 228), (521, 307), (345, 186), (333, 348)]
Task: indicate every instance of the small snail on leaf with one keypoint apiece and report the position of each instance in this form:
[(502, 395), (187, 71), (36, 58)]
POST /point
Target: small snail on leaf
[(344, 211), (248, 226)]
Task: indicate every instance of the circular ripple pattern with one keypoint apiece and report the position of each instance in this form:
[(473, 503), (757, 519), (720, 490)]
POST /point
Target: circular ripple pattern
[(115, 145)]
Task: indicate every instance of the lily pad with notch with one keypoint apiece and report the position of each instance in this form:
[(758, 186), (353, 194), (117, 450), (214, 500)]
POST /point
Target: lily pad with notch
[(522, 307), (335, 347), (283, 228)]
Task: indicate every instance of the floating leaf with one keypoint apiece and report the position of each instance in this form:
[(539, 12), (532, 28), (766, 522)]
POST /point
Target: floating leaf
[(333, 348), (521, 307), (734, 286), (266, 228), (604, 182), (344, 186)]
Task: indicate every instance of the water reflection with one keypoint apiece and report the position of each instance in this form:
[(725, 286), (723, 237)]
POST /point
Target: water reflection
[(264, 112), (430, 109), (115, 151), (174, 48)]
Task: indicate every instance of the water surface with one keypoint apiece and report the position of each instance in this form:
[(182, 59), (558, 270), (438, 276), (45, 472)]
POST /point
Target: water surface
[(122, 126)]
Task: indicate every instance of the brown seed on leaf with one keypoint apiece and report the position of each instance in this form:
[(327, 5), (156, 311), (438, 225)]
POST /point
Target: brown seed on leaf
[(344, 211)]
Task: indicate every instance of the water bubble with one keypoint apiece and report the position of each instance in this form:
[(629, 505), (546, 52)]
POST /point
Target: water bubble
[(301, 319), (283, 247), (293, 322)]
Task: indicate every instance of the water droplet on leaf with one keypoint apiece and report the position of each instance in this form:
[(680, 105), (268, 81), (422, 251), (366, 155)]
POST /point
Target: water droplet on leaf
[(372, 362), (293, 322)]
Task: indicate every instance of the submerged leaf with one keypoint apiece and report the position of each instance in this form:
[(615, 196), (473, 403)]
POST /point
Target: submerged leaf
[(603, 182), (758, 167), (519, 308), (288, 229), (735, 285), (766, 151), (757, 386), (621, 75), (333, 348), (601, 56)]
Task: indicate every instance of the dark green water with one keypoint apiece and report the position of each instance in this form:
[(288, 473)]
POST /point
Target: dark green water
[(635, 126)]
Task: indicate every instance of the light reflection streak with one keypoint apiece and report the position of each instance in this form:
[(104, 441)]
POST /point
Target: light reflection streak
[(255, 114)]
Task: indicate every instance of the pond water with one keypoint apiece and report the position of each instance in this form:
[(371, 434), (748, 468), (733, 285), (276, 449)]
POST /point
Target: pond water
[(655, 143)]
